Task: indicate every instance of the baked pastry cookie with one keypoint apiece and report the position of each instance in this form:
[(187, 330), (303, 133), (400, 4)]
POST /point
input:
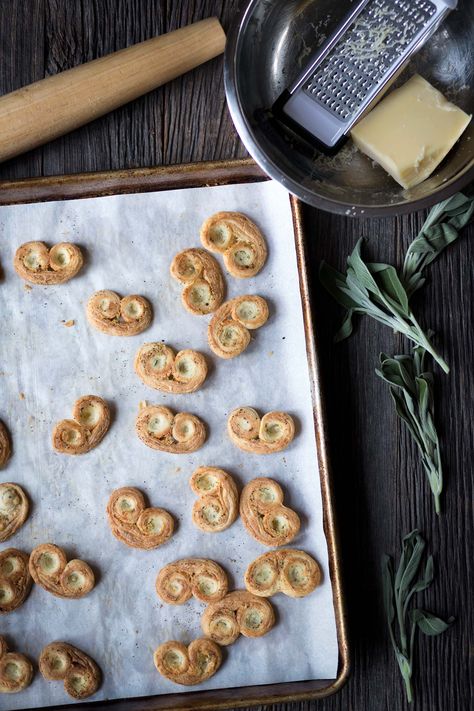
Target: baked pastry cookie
[(202, 278), (239, 241), (263, 514), (292, 572), (50, 569), (239, 612), (159, 367), (217, 506), (14, 509), (91, 420), (272, 433), (160, 429), (36, 263), (15, 579), (117, 316), (16, 670), (177, 582), (228, 332), (188, 665), (5, 448), (135, 524), (60, 661)]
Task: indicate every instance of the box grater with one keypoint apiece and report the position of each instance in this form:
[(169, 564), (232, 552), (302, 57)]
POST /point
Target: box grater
[(349, 73)]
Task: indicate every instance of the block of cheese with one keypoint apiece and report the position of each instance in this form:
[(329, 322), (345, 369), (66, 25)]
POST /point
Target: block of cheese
[(410, 131)]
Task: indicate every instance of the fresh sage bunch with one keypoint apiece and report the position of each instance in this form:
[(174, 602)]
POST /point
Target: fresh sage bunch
[(398, 592), (411, 387)]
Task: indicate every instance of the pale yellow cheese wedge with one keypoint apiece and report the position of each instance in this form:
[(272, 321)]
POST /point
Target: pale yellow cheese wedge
[(410, 131)]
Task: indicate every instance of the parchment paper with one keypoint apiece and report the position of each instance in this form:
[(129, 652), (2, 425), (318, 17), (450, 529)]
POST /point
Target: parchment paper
[(129, 242)]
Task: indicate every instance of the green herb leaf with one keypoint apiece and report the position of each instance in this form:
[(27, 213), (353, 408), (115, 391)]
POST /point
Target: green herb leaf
[(428, 623)]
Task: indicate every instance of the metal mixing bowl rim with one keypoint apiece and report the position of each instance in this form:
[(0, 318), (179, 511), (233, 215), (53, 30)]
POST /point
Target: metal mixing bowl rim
[(234, 37)]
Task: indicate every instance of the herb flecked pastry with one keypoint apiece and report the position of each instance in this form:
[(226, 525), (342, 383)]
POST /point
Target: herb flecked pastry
[(60, 661), (228, 332), (15, 579), (239, 612), (16, 670), (264, 515), (50, 569), (272, 433), (159, 367), (35, 263), (289, 571), (202, 578), (136, 525), (116, 316), (159, 428), (239, 241), (202, 278), (91, 420), (218, 503), (5, 448), (14, 509), (188, 665)]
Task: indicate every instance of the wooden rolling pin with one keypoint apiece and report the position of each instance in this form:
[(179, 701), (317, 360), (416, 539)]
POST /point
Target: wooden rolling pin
[(51, 107)]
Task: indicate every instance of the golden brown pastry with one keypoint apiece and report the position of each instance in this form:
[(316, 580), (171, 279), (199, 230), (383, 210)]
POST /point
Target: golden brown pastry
[(272, 433), (239, 612), (110, 314), (217, 506), (263, 514), (157, 365), (35, 263), (5, 448), (16, 670), (203, 578), (188, 665), (292, 572), (134, 524), (15, 579), (228, 332), (14, 509), (239, 241), (202, 278), (60, 661), (160, 429), (50, 569), (91, 420)]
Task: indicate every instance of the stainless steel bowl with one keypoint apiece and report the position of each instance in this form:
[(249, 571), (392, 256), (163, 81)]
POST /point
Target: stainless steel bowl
[(266, 49)]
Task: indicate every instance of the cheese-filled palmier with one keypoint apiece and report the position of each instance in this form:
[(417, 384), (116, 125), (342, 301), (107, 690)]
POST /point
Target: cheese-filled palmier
[(90, 423), (264, 515), (292, 572), (159, 367), (228, 332), (60, 661), (217, 506), (14, 509), (238, 239), (116, 316), (271, 433), (37, 264), (199, 577), (50, 569), (202, 279), (159, 428), (15, 579), (188, 665), (239, 612), (16, 670), (134, 524)]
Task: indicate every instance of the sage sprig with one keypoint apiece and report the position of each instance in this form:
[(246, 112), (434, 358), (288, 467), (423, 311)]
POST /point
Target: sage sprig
[(411, 387), (374, 290), (398, 592)]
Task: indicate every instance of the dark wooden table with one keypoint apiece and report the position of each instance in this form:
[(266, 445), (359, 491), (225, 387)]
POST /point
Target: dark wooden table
[(381, 492)]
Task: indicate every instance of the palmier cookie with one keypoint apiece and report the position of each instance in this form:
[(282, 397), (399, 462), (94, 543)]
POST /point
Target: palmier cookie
[(159, 367), (292, 572), (117, 316), (91, 420), (14, 509), (50, 569), (177, 582), (35, 263), (228, 332), (5, 448), (15, 579), (160, 429), (239, 612), (272, 433), (202, 278), (217, 506), (263, 514), (134, 524), (239, 241), (188, 665), (16, 670), (60, 661)]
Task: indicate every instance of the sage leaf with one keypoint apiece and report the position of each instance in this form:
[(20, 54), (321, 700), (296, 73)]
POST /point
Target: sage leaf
[(428, 623)]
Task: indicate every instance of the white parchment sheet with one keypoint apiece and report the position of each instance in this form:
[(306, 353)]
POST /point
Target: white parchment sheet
[(129, 242)]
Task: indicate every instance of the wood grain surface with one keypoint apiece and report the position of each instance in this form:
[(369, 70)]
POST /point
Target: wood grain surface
[(381, 492)]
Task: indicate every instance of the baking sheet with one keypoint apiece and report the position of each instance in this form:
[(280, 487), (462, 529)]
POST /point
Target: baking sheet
[(129, 241)]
